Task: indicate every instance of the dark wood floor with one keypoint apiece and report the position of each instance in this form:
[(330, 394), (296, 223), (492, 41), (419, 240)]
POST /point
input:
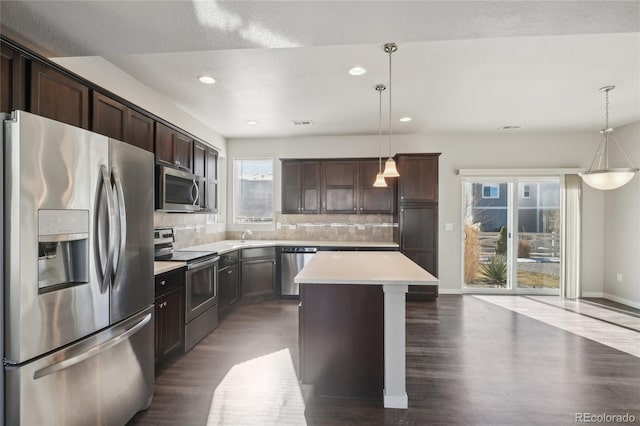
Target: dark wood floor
[(468, 363)]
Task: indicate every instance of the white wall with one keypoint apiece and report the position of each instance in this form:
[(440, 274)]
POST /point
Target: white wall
[(622, 227), (459, 151)]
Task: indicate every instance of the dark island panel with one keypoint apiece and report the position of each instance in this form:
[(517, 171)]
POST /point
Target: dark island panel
[(342, 339)]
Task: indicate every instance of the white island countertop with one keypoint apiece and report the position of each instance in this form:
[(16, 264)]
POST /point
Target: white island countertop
[(363, 267)]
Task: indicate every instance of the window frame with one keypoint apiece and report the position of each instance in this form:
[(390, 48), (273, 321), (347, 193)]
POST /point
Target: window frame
[(236, 194), (491, 186)]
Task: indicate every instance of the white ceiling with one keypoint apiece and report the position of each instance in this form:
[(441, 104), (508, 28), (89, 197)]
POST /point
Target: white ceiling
[(464, 66)]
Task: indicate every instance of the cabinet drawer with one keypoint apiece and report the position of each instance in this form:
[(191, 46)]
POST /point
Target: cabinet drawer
[(228, 259), (257, 252), (169, 281)]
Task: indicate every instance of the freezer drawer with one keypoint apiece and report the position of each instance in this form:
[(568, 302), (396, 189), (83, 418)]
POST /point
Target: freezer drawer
[(102, 380)]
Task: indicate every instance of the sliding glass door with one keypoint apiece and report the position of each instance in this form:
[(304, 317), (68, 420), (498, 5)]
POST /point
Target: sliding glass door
[(511, 235)]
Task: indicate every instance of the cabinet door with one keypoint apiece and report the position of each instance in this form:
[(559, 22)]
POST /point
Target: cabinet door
[(373, 199), (184, 152), (170, 314), (418, 181), (419, 235), (291, 188), (258, 277), (228, 287), (164, 144), (211, 197), (109, 117), (56, 96), (199, 159), (140, 130), (310, 187), (11, 80), (340, 181)]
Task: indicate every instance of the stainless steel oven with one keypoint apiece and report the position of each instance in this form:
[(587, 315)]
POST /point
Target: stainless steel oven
[(201, 287), (177, 191)]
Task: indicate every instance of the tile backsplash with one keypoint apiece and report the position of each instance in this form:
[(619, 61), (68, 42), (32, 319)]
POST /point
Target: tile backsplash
[(337, 227), (195, 229), (191, 229)]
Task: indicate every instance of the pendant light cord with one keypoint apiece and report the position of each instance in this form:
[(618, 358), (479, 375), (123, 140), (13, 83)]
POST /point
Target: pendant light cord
[(380, 88), (390, 52)]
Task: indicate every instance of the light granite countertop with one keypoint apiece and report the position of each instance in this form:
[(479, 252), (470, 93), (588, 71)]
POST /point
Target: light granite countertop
[(162, 267), (363, 267), (230, 245), (227, 246)]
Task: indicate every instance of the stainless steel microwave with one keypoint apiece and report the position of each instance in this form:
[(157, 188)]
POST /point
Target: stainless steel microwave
[(178, 191)]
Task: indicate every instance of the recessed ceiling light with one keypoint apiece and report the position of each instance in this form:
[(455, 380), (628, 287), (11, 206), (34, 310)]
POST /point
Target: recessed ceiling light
[(511, 127), (405, 119), (358, 71), (206, 79), (252, 122)]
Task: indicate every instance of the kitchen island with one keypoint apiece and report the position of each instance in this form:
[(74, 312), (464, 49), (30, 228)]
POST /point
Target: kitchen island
[(352, 324)]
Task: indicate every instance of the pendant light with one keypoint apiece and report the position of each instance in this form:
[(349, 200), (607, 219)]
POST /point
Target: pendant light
[(380, 182), (603, 177), (390, 165)]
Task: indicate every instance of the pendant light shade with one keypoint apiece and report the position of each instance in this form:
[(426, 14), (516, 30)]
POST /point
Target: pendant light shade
[(600, 175), (390, 169), (380, 182)]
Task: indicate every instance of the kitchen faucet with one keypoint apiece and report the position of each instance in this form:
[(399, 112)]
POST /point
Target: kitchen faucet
[(244, 233)]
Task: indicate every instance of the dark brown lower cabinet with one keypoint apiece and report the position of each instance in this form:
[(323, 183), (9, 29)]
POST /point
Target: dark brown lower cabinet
[(342, 339), (258, 272), (228, 287), (169, 314), (258, 277)]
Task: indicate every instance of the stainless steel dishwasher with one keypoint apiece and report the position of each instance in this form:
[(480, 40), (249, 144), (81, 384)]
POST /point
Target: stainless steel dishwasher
[(292, 260)]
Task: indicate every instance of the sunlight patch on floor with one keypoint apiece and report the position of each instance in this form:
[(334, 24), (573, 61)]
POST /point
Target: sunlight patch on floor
[(610, 335), (261, 391)]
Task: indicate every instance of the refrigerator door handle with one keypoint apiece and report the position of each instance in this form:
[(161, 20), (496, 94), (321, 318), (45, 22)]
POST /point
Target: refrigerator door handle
[(67, 363), (106, 185), (122, 213)]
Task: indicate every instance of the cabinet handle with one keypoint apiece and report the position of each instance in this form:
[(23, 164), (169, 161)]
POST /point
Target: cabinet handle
[(165, 304), (163, 282), (160, 306), (229, 271), (360, 208)]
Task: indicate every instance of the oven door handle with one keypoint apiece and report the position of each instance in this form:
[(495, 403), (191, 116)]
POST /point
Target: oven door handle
[(203, 264)]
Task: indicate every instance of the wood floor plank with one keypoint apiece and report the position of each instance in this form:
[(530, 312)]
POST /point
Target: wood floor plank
[(468, 363)]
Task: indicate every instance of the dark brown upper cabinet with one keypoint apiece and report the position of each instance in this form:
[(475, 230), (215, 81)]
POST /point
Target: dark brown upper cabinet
[(300, 186), (211, 174), (140, 130), (12, 80), (113, 119), (173, 148), (340, 180), (56, 96), (199, 159), (109, 117), (373, 199), (418, 180)]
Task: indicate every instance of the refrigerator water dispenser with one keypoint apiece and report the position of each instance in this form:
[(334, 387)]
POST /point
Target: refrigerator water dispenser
[(63, 248)]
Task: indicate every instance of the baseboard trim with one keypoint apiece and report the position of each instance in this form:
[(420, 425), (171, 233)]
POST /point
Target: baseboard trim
[(622, 300), (592, 294), (450, 291)]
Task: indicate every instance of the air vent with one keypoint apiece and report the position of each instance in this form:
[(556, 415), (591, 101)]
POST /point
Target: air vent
[(301, 122), (513, 127)]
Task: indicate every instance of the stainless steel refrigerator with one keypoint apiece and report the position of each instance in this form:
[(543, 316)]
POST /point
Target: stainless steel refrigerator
[(78, 275)]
